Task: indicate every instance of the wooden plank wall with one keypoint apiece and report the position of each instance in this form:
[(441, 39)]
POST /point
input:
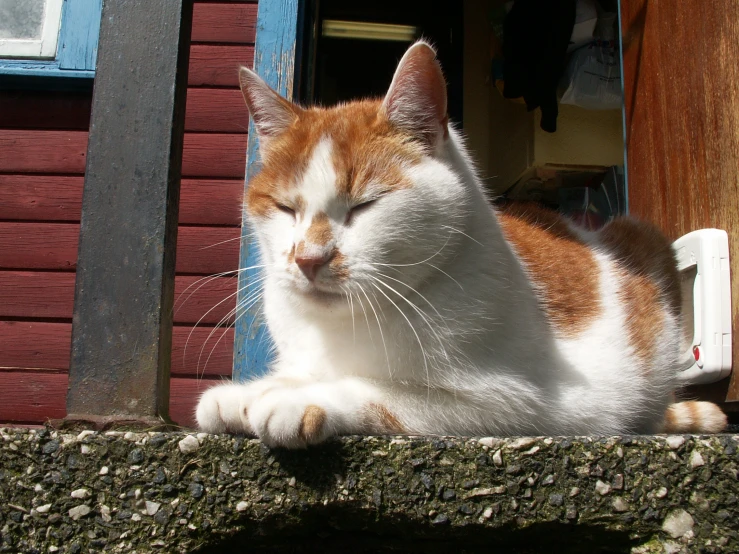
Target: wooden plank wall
[(681, 80), (43, 142)]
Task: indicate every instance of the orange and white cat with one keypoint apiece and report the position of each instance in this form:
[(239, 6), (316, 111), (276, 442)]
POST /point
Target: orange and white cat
[(400, 301)]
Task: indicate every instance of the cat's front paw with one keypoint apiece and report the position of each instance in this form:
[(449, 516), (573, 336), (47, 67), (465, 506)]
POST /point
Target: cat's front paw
[(290, 418), (222, 409)]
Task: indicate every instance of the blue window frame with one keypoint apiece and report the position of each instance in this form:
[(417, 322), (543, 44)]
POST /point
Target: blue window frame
[(76, 51), (276, 54)]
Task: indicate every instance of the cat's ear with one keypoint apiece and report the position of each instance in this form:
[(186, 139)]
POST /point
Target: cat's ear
[(416, 101), (272, 114)]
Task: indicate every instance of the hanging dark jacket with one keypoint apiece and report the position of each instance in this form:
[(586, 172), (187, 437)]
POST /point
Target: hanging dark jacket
[(536, 34)]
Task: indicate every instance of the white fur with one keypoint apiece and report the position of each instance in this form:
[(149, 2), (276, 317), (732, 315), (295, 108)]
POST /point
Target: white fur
[(438, 322), (492, 364)]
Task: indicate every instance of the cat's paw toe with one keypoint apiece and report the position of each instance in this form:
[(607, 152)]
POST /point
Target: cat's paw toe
[(291, 422), (223, 409)]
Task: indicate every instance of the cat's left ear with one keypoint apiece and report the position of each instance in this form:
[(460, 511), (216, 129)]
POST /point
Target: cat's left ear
[(272, 114), (416, 101)]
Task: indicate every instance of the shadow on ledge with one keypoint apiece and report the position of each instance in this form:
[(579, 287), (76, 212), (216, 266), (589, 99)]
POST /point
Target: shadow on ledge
[(73, 493), (359, 531)]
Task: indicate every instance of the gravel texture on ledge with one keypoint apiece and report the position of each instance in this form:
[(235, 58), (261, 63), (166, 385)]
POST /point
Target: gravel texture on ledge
[(179, 492)]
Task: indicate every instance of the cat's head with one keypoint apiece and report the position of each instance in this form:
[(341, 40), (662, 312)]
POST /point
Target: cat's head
[(359, 197)]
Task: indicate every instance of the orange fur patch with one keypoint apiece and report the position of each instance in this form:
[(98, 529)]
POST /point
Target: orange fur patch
[(338, 267), (299, 250), (644, 318), (299, 205), (382, 421), (314, 418), (643, 251), (319, 231), (694, 417), (561, 266), (670, 422), (367, 149)]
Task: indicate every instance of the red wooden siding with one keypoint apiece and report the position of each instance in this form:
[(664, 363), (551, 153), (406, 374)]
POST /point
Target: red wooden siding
[(235, 23), (218, 65), (43, 143), (200, 250), (208, 109), (59, 198), (45, 345), (65, 152), (49, 295), (35, 397), (212, 109)]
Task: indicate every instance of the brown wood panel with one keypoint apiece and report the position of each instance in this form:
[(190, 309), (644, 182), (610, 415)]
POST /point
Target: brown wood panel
[(35, 345), (204, 250), (208, 250), (60, 152), (196, 351), (206, 352), (183, 399), (49, 295), (35, 397), (32, 397), (224, 22), (214, 155), (28, 294), (681, 80), (40, 197), (31, 109), (39, 245), (204, 300), (64, 152), (59, 198), (216, 109), (218, 65), (211, 201)]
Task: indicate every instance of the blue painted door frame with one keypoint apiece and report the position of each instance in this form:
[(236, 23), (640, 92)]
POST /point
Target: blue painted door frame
[(276, 60)]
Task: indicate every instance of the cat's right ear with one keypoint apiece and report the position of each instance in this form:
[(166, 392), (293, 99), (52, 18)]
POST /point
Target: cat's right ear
[(272, 114), (416, 101)]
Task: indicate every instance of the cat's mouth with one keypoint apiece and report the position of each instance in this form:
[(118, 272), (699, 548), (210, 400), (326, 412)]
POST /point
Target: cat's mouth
[(319, 293)]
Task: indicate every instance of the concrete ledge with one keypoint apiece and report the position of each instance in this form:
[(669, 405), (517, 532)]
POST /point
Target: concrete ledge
[(174, 492)]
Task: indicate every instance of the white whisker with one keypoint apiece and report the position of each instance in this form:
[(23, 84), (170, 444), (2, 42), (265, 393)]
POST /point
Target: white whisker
[(463, 233), (379, 327), (420, 313), (221, 242), (418, 338)]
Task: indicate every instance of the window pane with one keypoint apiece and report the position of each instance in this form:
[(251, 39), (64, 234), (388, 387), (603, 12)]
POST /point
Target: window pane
[(21, 19)]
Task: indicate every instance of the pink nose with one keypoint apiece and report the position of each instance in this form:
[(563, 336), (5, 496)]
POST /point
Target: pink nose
[(310, 265)]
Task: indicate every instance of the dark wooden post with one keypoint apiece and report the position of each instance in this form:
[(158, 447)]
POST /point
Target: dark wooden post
[(122, 328)]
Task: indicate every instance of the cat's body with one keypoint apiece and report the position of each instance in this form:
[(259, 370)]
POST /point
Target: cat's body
[(401, 302)]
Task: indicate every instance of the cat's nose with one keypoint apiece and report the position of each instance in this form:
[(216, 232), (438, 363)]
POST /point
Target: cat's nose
[(310, 264)]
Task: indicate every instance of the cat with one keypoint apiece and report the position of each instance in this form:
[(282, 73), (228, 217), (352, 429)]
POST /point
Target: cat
[(400, 301)]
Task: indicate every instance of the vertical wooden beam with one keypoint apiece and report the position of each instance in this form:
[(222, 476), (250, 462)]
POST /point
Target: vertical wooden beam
[(122, 328), (681, 91), (276, 55)]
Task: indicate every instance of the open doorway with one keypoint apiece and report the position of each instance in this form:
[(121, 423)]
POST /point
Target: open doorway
[(578, 168), (354, 47)]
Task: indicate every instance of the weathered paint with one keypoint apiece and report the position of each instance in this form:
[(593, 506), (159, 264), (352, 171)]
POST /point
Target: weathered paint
[(275, 61), (77, 51), (124, 293), (79, 39)]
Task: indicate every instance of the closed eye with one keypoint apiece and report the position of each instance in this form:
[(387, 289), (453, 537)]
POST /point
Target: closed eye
[(286, 209), (359, 208)]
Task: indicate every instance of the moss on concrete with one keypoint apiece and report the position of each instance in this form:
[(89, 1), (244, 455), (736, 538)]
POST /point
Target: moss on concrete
[(164, 492)]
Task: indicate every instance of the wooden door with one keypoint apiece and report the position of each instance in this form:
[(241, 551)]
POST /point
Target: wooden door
[(681, 79)]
